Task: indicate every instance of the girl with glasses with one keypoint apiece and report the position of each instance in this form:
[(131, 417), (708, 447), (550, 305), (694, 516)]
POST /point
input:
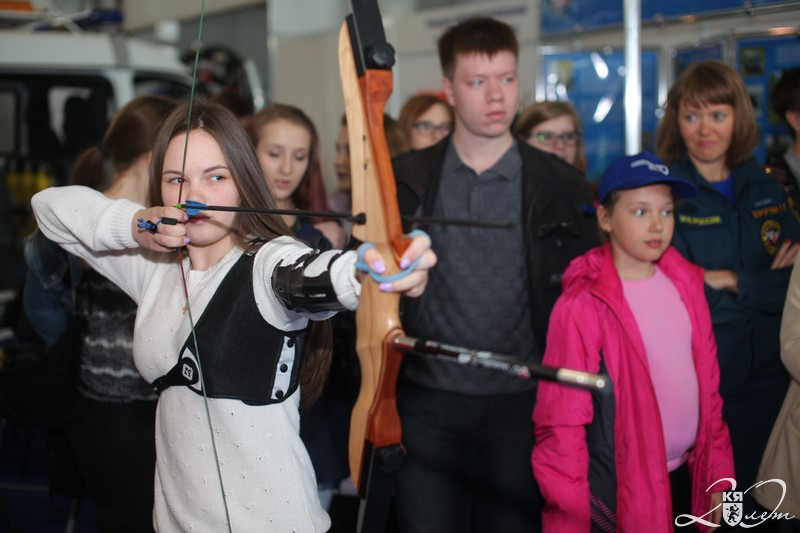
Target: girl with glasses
[(554, 127), (426, 119)]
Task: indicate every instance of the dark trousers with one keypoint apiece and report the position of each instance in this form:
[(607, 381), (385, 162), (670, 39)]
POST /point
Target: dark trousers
[(468, 463), (113, 446), (681, 492)]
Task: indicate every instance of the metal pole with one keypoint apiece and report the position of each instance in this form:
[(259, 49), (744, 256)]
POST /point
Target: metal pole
[(632, 21)]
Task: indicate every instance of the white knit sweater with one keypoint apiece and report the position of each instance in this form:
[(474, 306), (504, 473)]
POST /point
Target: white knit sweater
[(268, 478)]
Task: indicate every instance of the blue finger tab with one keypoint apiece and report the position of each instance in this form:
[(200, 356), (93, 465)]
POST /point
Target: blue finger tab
[(148, 225), (151, 226)]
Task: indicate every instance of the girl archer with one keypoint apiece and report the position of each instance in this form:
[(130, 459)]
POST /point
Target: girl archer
[(259, 295)]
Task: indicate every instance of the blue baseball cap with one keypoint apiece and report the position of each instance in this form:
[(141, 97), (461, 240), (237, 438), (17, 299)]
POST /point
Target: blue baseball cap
[(640, 170)]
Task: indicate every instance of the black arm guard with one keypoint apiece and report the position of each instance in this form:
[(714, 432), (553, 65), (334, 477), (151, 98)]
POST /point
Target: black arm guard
[(304, 294)]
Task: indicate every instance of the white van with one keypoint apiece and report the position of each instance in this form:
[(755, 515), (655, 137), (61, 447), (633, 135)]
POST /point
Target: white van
[(58, 91)]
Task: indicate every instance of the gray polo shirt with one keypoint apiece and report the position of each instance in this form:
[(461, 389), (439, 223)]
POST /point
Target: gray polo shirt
[(477, 296)]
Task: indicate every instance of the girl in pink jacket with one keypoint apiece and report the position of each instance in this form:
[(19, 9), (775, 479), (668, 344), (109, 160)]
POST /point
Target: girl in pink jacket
[(655, 453)]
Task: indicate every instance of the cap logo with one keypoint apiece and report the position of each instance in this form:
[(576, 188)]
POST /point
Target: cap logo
[(655, 167)]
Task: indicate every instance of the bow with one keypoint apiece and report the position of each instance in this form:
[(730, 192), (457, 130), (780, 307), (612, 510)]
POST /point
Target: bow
[(365, 61), (376, 452)]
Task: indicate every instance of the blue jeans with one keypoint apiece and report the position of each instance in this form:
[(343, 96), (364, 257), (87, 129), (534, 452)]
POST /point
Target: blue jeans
[(50, 285), (468, 463)]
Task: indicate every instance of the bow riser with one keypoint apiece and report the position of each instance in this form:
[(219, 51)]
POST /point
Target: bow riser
[(375, 423), (376, 87)]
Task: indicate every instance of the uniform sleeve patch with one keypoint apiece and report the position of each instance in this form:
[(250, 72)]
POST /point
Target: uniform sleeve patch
[(771, 235), (769, 211)]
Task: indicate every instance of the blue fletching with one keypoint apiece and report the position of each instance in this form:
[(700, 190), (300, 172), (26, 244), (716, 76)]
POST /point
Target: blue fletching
[(193, 207)]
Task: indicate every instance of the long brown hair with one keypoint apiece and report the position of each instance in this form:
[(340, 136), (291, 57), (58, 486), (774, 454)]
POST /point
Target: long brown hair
[(702, 84), (130, 135), (250, 230)]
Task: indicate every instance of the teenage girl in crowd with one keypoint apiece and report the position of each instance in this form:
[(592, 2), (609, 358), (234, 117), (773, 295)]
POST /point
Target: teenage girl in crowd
[(287, 147), (556, 128), (425, 119), (232, 459), (741, 230), (633, 309), (111, 439)]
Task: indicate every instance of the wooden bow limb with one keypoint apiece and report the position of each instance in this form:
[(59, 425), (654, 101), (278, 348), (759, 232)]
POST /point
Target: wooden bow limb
[(375, 435)]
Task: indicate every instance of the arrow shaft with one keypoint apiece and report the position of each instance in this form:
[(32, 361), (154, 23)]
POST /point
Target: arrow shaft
[(358, 219), (330, 214), (504, 363)]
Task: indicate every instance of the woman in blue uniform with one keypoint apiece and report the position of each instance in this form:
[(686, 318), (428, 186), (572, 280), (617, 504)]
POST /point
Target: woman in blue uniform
[(741, 229)]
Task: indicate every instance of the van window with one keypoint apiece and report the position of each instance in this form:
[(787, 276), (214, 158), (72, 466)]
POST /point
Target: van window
[(161, 85), (46, 121), (9, 119), (58, 116)]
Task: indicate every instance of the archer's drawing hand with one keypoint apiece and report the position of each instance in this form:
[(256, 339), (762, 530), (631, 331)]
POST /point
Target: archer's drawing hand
[(161, 228)]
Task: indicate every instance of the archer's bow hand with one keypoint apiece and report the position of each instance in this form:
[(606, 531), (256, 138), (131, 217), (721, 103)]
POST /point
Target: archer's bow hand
[(415, 263), (161, 229)]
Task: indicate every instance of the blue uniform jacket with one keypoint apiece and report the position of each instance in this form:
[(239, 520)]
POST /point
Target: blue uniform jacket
[(742, 236)]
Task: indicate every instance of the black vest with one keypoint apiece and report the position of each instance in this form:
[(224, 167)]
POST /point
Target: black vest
[(240, 353)]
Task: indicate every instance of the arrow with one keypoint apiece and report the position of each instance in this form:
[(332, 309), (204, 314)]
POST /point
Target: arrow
[(193, 207), (502, 363)]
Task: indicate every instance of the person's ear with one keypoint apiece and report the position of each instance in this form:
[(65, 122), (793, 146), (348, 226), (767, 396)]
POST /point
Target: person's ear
[(604, 218), (447, 89), (793, 118)]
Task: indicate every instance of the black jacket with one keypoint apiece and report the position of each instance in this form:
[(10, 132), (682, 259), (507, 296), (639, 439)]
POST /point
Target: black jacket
[(559, 223), (778, 168)]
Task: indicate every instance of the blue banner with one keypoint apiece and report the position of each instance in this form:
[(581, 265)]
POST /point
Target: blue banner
[(594, 83)]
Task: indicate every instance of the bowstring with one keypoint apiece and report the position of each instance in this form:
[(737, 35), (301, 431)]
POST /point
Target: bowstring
[(183, 272)]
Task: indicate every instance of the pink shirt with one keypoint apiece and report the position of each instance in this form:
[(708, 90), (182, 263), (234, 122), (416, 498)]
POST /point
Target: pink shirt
[(667, 334)]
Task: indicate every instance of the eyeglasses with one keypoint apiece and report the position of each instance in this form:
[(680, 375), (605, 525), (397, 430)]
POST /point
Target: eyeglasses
[(427, 127), (550, 137)]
